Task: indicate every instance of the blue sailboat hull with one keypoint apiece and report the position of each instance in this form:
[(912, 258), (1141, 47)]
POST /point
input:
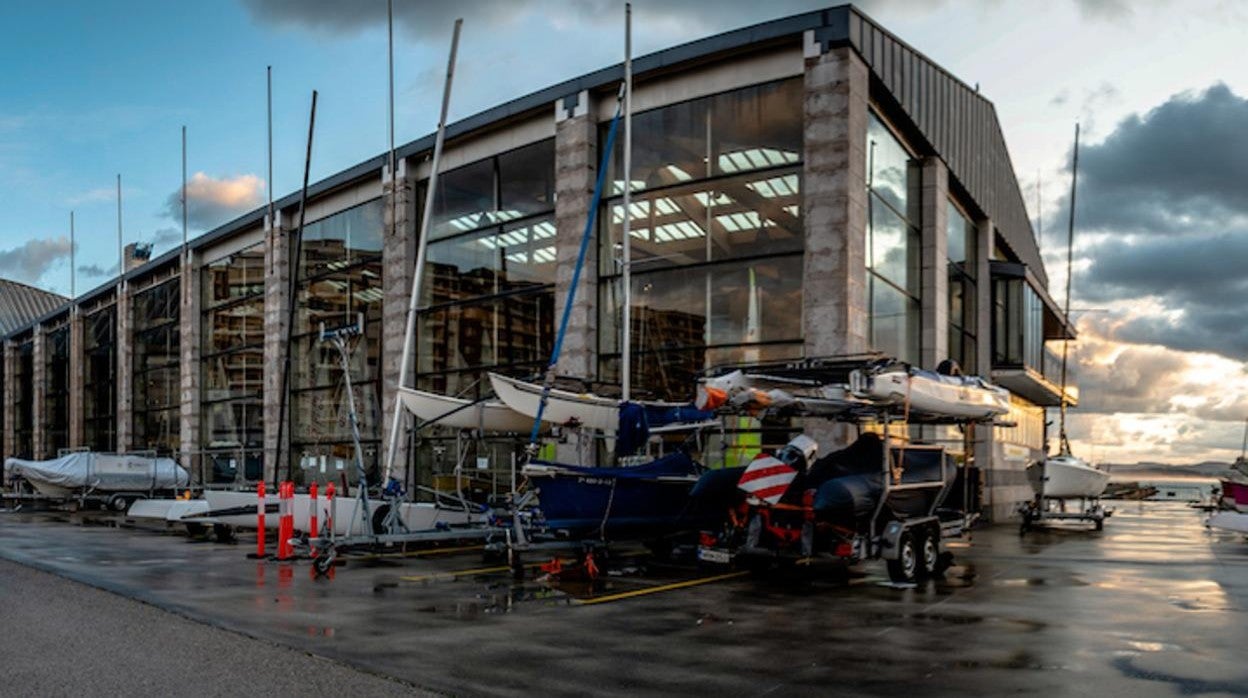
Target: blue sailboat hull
[(649, 499)]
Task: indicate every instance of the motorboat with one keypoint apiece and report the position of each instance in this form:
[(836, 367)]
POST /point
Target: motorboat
[(459, 413), (1232, 521), (1066, 477), (1235, 482), (88, 471)]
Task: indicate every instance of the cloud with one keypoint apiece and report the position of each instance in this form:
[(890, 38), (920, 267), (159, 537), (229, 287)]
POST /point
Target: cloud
[(1180, 166), (92, 271), (28, 261), (1104, 10), (211, 201), (433, 20)]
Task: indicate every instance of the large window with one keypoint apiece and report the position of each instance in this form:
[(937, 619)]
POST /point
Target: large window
[(962, 239), (490, 274), (716, 238), (893, 180), (1018, 324), (24, 400), (341, 279), (232, 407), (56, 390), (99, 397), (157, 379)]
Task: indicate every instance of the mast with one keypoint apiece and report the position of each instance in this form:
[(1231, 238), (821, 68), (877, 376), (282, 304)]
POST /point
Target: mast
[(422, 247), (121, 257), (184, 239), (1064, 444), (394, 175), (626, 360), (73, 269), (268, 79)]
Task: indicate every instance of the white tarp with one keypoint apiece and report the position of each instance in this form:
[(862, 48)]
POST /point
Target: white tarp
[(98, 471)]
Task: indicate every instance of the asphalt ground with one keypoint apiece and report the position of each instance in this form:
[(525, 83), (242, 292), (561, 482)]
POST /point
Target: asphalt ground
[(1153, 605)]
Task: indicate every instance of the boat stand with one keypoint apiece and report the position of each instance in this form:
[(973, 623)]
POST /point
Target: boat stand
[(1044, 510)]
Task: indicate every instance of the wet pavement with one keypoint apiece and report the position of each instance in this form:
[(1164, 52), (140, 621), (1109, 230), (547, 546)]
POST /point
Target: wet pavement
[(1153, 605)]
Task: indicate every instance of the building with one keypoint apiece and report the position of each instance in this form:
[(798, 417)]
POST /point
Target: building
[(814, 168)]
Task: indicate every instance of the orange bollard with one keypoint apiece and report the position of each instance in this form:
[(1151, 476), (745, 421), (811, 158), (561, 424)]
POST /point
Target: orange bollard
[(284, 532), (329, 506), (260, 520), (313, 530)]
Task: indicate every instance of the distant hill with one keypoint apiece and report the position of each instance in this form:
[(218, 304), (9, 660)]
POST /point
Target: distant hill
[(1205, 469)]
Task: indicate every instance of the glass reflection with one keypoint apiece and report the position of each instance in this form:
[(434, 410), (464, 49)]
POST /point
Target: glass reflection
[(24, 400), (56, 390), (99, 399), (496, 190), (157, 378)]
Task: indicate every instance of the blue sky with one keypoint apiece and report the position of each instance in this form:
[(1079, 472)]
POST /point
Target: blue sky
[(92, 89)]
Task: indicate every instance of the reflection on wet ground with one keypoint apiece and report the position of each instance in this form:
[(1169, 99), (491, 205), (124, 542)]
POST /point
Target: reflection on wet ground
[(1153, 605)]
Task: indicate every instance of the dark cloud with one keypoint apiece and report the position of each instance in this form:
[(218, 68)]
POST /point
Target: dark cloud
[(28, 261), (212, 201), (166, 237), (93, 271), (1181, 166), (1106, 10)]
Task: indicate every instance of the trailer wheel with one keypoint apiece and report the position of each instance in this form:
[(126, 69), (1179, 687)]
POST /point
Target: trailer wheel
[(325, 562), (929, 556), (118, 503), (1100, 524), (905, 568)]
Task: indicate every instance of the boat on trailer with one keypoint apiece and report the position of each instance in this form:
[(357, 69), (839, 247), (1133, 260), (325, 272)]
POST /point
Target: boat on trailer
[(238, 509), (1235, 482), (1065, 476)]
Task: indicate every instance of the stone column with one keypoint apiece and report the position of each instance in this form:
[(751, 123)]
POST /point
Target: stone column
[(189, 367), (125, 368), (77, 378), (934, 262), (9, 356), (39, 393), (987, 456), (576, 169), (398, 260), (835, 314), (276, 308)]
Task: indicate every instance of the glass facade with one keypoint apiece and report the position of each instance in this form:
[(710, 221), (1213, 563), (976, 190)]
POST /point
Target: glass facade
[(490, 274), (716, 238), (1017, 324), (962, 242), (99, 395), (24, 400), (893, 224), (232, 369), (339, 278), (56, 390), (156, 360)]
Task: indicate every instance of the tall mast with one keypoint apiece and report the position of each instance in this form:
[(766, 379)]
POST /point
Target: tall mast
[(394, 175), (268, 80), (422, 247), (121, 257), (1070, 256), (627, 357), (73, 269), (184, 239)]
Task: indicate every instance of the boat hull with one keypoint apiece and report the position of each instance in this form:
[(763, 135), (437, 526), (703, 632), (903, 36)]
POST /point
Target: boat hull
[(1067, 477), (647, 500), (562, 407), (346, 512), (932, 393), (458, 413), (1235, 495), (1233, 521)]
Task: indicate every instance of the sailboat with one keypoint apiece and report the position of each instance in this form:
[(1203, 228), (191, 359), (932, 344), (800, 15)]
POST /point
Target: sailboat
[(1235, 482), (460, 413), (1065, 476)]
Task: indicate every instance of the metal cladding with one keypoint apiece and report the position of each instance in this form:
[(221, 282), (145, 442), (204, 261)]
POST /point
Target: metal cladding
[(19, 304), (960, 125)]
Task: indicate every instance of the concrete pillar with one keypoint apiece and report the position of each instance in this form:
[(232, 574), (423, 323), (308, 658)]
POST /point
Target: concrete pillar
[(398, 260), (39, 393), (276, 308), (835, 314), (77, 379), (125, 368), (576, 168), (9, 352), (189, 332), (934, 262)]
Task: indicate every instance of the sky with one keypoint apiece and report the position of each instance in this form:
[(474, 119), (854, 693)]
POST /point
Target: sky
[(93, 89)]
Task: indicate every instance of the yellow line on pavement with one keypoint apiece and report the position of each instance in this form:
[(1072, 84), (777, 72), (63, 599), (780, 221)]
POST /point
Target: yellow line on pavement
[(664, 587)]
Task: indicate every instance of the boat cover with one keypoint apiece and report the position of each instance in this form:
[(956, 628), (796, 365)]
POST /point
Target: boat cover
[(677, 464), (856, 495), (100, 471), (637, 419)]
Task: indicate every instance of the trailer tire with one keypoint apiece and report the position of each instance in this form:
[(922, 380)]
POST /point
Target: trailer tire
[(904, 569), (929, 556), (119, 503)]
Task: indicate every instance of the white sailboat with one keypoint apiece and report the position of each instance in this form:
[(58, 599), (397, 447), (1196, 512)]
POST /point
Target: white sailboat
[(239, 509), (458, 413), (1065, 476)]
